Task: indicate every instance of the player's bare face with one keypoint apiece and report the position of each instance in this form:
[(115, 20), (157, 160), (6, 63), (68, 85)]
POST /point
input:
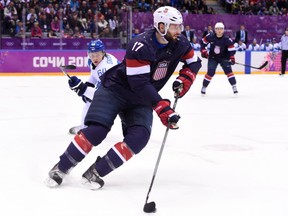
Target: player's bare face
[(174, 32), (219, 32), (96, 57)]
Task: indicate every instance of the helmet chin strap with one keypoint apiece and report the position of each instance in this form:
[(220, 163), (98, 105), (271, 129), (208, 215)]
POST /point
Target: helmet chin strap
[(163, 35)]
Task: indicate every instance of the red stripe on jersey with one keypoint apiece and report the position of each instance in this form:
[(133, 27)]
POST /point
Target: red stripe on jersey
[(83, 143), (188, 55), (136, 63), (205, 40), (124, 151)]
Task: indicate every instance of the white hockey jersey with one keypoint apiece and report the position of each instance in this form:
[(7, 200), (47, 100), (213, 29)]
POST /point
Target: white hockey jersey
[(95, 72)]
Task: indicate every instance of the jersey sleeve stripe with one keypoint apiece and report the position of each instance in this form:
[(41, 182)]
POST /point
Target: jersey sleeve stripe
[(205, 41), (231, 48), (138, 70), (136, 63), (190, 57)]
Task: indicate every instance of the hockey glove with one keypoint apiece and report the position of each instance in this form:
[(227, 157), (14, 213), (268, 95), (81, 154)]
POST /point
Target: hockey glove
[(183, 82), (204, 53), (77, 85), (232, 60), (167, 114)]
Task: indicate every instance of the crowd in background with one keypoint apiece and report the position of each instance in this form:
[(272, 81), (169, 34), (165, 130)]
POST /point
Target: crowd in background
[(79, 18), (257, 7), (103, 18)]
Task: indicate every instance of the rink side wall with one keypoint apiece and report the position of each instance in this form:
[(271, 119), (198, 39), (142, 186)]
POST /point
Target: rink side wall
[(47, 62)]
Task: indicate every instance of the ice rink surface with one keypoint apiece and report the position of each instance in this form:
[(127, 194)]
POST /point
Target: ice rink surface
[(229, 157)]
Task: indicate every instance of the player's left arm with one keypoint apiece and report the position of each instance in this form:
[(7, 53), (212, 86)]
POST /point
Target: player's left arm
[(187, 75), (231, 50)]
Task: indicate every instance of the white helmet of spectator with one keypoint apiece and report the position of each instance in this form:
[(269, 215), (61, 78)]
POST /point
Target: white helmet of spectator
[(167, 15), (219, 25)]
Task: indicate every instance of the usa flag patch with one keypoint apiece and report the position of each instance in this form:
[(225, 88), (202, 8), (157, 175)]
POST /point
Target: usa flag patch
[(161, 70)]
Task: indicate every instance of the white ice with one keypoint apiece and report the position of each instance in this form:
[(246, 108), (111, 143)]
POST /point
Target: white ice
[(229, 157)]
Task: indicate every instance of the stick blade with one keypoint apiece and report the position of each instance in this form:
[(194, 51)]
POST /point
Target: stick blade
[(69, 67), (264, 65)]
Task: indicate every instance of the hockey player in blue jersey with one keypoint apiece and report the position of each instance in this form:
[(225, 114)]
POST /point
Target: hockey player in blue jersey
[(221, 52), (130, 90), (99, 62)]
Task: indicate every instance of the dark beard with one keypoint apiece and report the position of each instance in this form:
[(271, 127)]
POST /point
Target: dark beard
[(170, 39)]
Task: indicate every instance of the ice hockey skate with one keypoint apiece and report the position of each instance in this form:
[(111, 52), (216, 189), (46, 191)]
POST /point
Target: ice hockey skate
[(74, 130), (235, 91), (91, 178), (281, 74), (55, 177), (203, 91)]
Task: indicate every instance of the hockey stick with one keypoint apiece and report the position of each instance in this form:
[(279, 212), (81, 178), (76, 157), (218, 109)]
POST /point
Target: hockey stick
[(259, 68), (151, 206), (69, 67)]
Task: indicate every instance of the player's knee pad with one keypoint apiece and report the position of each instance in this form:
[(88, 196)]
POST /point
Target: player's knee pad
[(95, 134), (137, 138)]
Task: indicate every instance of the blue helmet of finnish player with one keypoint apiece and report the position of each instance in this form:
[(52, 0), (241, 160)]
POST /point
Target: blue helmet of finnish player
[(96, 46)]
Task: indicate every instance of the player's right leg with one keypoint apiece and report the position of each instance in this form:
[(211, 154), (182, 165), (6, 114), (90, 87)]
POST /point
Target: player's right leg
[(212, 65)]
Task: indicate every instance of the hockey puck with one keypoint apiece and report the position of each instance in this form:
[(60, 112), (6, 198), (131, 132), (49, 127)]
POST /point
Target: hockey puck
[(150, 207)]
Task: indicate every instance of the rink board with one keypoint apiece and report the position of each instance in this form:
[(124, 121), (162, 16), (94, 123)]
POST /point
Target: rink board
[(47, 62)]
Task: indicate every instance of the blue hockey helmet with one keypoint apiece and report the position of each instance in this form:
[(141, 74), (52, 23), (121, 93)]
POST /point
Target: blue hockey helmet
[(96, 46)]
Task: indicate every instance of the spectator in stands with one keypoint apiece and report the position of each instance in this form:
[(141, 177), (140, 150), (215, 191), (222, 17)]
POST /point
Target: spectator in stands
[(36, 31), (188, 33), (196, 46), (68, 32), (114, 26), (44, 23), (77, 33), (136, 32), (103, 26), (31, 21), (55, 24), (32, 16), (284, 53), (10, 17), (19, 30), (52, 34), (276, 46), (208, 30), (84, 9), (241, 34), (85, 26), (74, 21), (74, 5), (240, 46), (274, 10), (143, 6), (254, 46), (267, 46)]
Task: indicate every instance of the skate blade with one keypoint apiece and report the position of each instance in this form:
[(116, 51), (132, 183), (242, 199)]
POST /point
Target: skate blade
[(51, 183), (89, 185)]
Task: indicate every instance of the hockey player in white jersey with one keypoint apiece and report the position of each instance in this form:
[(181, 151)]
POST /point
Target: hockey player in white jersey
[(98, 62)]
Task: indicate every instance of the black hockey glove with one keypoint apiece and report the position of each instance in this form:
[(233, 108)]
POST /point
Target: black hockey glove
[(77, 85)]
